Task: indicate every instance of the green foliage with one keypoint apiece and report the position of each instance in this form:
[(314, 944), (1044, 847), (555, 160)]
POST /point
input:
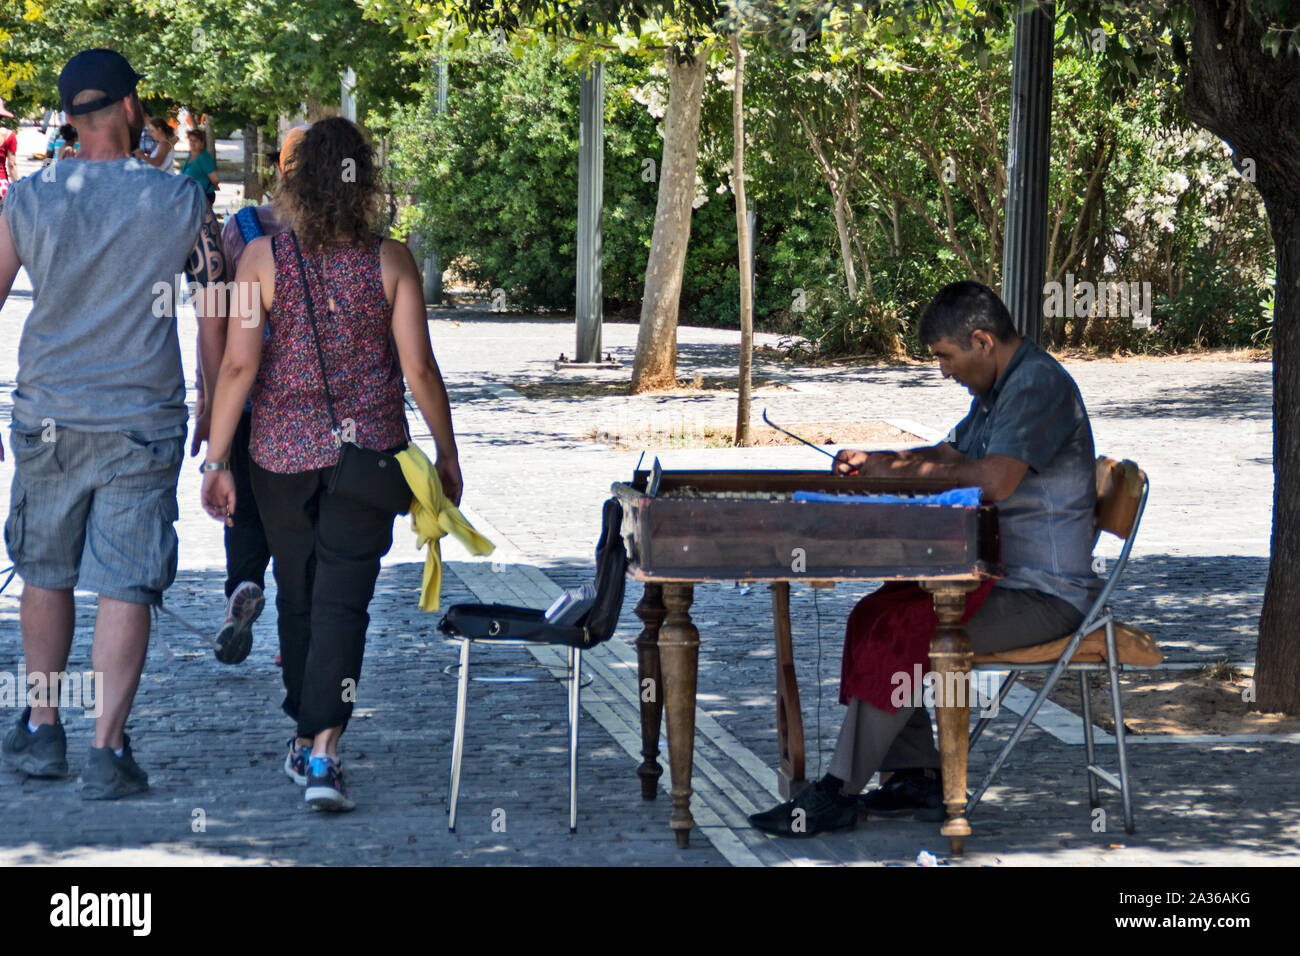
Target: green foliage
[(493, 180), (1132, 197), (837, 324), (246, 60), (493, 184), (1214, 308)]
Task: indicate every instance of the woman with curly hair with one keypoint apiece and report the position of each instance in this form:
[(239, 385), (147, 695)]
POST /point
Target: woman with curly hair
[(345, 324)]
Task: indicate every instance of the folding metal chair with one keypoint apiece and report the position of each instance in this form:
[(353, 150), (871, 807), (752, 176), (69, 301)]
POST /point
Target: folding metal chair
[(1121, 498), (503, 624)]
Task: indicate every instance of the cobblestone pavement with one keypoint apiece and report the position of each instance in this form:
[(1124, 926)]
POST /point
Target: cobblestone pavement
[(212, 737)]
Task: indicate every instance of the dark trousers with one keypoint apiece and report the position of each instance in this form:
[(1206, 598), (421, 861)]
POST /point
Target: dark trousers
[(247, 553), (327, 550), (872, 739)]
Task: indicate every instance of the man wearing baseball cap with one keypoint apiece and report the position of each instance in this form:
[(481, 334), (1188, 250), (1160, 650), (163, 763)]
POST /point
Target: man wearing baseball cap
[(99, 413)]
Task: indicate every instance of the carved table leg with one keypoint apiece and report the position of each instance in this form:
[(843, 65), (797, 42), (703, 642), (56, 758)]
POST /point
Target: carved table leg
[(650, 609), (789, 718), (679, 651), (950, 660)]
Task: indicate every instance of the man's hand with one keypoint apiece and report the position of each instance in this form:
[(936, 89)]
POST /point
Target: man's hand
[(219, 495), (449, 474), (202, 426), (849, 462)]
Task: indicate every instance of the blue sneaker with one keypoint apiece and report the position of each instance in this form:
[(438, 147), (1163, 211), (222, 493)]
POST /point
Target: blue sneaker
[(325, 790)]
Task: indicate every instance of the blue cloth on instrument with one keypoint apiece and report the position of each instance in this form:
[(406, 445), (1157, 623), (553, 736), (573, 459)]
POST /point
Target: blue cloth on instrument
[(959, 497)]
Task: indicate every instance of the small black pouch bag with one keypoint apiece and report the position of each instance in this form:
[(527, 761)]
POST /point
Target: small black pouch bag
[(367, 476)]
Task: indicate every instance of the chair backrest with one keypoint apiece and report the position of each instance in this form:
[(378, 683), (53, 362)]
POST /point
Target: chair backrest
[(611, 575), (1121, 493), (1121, 498)]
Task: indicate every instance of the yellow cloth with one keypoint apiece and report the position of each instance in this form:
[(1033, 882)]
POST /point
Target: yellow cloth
[(433, 516)]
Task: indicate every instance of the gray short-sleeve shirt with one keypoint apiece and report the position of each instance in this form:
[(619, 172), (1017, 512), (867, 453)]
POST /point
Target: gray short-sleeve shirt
[(1035, 414), (104, 243)]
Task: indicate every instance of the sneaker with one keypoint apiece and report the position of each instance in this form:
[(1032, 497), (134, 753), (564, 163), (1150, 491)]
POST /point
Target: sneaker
[(296, 760), (325, 790), (108, 776), (908, 793), (235, 639), (817, 808), (40, 754)]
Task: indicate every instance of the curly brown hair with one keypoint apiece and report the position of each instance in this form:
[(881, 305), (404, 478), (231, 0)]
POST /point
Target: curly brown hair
[(330, 192)]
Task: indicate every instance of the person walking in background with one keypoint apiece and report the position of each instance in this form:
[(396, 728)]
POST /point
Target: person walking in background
[(8, 154), (68, 133), (337, 298), (247, 553), (162, 155), (99, 414), (201, 167)]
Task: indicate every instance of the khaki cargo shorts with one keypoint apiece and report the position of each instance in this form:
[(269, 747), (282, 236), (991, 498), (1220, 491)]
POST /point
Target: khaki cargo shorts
[(94, 510)]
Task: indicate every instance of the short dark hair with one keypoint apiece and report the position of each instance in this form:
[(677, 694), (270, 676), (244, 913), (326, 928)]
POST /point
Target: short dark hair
[(962, 308), (68, 133)]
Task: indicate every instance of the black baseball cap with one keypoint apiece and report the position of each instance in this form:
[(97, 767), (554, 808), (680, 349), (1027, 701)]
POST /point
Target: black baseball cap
[(105, 70)]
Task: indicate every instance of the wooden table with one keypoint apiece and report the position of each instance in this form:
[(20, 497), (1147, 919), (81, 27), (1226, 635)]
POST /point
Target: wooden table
[(683, 528)]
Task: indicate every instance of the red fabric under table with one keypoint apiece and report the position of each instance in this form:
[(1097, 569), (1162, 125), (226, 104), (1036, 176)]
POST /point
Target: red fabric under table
[(889, 633)]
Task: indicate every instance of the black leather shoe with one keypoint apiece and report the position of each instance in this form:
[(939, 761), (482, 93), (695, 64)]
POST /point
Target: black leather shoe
[(908, 793), (816, 809)]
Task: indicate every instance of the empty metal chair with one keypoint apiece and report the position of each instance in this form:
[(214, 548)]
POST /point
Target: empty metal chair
[(504, 624)]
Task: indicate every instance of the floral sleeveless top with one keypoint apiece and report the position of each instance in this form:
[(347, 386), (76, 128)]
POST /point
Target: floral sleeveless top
[(292, 431)]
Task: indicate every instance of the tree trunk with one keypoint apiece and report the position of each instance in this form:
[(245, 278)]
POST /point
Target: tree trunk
[(846, 245), (898, 234), (1250, 99), (742, 241), (655, 365)]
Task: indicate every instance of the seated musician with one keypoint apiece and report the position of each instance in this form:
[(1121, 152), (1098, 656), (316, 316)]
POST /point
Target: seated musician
[(1027, 444)]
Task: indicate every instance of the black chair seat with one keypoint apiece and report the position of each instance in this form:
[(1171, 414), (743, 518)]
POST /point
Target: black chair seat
[(504, 622)]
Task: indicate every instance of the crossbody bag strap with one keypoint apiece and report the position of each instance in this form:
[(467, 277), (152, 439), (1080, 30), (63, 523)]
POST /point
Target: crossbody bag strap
[(311, 315)]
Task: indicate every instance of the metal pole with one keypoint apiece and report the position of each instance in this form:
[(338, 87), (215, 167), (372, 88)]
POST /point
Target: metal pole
[(347, 95), (432, 266), (1024, 255), (591, 188)]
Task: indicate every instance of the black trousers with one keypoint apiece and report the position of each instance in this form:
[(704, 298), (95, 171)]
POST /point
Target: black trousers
[(872, 739), (327, 550), (247, 553)]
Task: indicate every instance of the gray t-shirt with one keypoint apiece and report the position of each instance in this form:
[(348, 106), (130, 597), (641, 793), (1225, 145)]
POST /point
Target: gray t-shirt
[(99, 351), (1034, 413)]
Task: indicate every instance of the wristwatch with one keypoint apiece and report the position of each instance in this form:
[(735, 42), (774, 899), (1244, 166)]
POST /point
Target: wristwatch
[(214, 466)]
